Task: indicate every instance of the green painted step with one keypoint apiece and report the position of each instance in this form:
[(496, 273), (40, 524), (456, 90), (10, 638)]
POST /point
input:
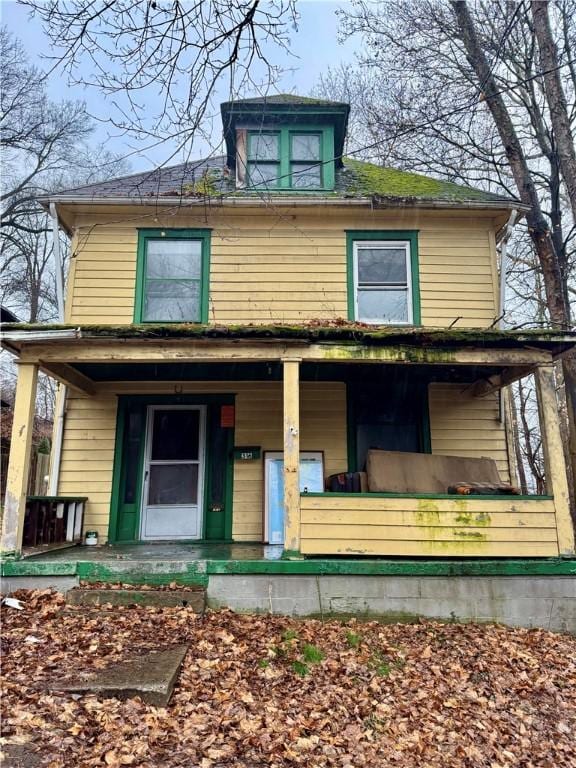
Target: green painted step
[(158, 598)]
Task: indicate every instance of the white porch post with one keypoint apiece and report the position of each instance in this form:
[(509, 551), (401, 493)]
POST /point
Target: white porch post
[(20, 454), (556, 478), (291, 367)]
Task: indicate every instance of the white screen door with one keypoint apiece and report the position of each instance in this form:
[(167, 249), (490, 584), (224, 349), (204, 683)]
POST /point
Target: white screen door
[(172, 497)]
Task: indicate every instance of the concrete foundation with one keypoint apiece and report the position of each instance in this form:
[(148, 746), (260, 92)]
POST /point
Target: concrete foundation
[(547, 602), (9, 584)]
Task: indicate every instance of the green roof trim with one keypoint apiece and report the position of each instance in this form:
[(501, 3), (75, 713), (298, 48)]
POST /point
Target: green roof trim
[(367, 179)]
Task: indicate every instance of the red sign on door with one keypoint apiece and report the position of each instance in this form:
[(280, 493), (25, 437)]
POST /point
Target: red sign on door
[(227, 416)]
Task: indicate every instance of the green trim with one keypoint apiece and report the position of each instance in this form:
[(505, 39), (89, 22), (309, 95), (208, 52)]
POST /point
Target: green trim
[(116, 474), (285, 133), (426, 427), (325, 567), (204, 235), (351, 434), (199, 571), (411, 235), (453, 496)]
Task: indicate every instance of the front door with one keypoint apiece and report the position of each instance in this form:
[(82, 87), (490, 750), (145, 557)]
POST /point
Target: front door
[(172, 493)]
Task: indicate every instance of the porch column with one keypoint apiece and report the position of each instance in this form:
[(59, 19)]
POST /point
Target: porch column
[(20, 455), (556, 478), (291, 368)]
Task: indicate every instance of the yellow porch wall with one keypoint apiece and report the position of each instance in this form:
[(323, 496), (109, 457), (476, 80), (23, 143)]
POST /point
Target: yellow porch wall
[(462, 425), (88, 450), (272, 265)]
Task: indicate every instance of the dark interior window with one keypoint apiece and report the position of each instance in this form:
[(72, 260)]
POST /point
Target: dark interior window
[(390, 415)]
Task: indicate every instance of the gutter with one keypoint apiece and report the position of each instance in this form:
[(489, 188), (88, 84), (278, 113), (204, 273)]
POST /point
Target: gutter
[(280, 201), (69, 333)]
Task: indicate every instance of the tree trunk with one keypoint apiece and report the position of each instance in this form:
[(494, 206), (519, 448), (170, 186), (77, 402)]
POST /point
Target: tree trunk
[(556, 99), (554, 279)]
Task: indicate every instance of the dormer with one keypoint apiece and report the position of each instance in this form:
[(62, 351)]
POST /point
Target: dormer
[(285, 143)]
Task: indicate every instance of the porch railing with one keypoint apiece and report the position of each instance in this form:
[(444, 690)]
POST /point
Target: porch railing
[(52, 521), (427, 525)]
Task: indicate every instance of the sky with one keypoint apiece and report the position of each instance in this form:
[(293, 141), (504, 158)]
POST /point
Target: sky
[(314, 47)]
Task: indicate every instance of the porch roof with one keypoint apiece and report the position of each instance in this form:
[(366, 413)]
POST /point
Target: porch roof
[(16, 336)]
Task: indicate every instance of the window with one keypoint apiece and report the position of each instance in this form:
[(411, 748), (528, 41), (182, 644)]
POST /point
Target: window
[(264, 159), (305, 159), (172, 276), (383, 278), (291, 158)]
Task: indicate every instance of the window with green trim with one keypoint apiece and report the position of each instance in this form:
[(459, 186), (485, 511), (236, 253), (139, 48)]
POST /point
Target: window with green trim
[(291, 158), (383, 278), (172, 276)]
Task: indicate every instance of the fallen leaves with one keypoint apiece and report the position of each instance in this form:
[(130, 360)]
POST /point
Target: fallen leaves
[(271, 691)]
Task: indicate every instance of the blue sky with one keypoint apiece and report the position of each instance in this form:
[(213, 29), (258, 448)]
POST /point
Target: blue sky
[(314, 47)]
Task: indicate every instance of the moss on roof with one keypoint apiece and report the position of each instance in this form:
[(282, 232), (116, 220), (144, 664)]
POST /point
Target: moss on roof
[(379, 181), (287, 98), (337, 331)]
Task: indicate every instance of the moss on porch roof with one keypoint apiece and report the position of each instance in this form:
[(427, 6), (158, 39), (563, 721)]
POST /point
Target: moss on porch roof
[(336, 331)]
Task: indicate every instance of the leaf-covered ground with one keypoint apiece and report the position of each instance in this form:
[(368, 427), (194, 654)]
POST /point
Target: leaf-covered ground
[(271, 691)]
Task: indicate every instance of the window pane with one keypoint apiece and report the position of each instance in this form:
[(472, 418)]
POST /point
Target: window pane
[(172, 300), (264, 174), (175, 435), (173, 258), (173, 484), (306, 176), (381, 265), (305, 146), (263, 146), (383, 306)]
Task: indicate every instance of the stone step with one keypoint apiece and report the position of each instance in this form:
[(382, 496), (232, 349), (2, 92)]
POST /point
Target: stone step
[(152, 677), (159, 598)]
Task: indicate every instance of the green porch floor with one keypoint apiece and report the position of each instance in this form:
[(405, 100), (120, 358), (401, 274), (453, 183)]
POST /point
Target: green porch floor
[(194, 563)]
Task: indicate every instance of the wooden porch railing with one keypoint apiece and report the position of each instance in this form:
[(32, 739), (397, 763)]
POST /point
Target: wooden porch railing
[(51, 521)]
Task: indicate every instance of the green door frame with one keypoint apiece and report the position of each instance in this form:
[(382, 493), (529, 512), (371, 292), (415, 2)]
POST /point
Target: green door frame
[(125, 402)]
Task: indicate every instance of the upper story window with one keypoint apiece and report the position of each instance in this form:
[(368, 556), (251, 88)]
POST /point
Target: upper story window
[(264, 159), (383, 277), (172, 276), (291, 158)]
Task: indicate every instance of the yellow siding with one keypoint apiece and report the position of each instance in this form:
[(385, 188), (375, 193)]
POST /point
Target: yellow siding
[(470, 527), (88, 456), (88, 450), (270, 265), (462, 425)]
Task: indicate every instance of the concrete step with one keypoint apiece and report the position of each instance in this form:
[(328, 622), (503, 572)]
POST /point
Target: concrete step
[(152, 677), (159, 598)]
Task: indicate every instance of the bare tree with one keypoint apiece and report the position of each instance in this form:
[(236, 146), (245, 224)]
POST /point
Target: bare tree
[(37, 137), (556, 98), (161, 62), (44, 147)]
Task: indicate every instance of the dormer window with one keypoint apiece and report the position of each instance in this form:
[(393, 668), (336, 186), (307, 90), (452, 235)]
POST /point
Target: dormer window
[(290, 159), (305, 160), (264, 160)]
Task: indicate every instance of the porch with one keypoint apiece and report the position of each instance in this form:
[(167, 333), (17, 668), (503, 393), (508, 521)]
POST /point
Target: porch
[(288, 390)]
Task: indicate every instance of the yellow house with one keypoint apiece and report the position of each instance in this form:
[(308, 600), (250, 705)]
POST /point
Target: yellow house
[(239, 329)]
